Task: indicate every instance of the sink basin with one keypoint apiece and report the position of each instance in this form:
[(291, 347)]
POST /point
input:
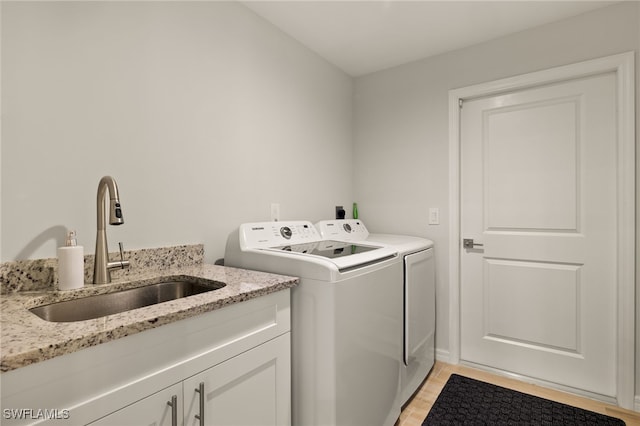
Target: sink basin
[(121, 301)]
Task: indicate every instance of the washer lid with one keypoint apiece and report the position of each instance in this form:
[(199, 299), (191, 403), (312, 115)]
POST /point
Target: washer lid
[(329, 248), (345, 256)]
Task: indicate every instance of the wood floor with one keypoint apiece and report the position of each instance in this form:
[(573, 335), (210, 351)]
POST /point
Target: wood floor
[(416, 410)]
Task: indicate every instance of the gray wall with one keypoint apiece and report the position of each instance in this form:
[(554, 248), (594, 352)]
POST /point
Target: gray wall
[(203, 112), (401, 124)]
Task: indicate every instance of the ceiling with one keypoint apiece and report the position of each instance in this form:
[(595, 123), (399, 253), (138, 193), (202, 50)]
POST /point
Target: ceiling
[(361, 37)]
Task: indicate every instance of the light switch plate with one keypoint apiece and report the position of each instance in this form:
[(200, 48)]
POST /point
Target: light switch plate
[(434, 216)]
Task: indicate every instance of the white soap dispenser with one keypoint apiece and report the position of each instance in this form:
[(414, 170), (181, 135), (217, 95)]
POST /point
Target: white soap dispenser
[(70, 264)]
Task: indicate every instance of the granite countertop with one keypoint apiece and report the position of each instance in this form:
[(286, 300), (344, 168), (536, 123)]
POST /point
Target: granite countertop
[(26, 339)]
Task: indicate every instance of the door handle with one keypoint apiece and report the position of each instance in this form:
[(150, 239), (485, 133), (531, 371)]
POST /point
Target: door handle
[(469, 244), (174, 410), (200, 415)]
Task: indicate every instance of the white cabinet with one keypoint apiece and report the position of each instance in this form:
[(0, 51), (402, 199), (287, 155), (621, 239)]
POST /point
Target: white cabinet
[(249, 389), (241, 354), (152, 410)]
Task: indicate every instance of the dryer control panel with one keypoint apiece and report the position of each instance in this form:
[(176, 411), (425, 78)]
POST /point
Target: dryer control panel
[(273, 234), (343, 229)]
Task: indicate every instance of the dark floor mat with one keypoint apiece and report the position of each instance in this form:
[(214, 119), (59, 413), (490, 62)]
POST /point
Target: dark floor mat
[(465, 401)]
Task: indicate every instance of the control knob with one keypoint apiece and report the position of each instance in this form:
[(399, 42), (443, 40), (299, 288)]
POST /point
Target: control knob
[(285, 231)]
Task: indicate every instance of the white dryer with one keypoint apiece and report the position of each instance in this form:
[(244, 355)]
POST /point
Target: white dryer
[(418, 295), (345, 315)]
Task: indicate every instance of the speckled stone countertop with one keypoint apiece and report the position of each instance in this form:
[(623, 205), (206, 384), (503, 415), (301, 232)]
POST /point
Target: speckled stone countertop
[(26, 339)]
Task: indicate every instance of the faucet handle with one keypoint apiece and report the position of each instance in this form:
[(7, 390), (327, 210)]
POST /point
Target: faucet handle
[(121, 264), (124, 263)]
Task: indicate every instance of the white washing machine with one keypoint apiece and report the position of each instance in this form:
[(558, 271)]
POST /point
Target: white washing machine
[(345, 315), (418, 295)]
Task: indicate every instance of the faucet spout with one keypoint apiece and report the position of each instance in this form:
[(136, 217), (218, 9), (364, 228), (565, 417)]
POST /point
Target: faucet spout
[(115, 211), (102, 267)]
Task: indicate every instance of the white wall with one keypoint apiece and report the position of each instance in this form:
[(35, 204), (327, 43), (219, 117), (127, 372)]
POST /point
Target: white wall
[(206, 114), (401, 123), (202, 111)]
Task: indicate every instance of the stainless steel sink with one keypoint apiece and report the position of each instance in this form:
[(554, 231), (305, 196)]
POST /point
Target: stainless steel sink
[(121, 301)]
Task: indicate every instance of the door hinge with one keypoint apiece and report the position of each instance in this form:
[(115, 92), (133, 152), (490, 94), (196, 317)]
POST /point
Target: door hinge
[(460, 103)]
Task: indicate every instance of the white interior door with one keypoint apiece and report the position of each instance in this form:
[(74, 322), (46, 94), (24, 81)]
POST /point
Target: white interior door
[(538, 190)]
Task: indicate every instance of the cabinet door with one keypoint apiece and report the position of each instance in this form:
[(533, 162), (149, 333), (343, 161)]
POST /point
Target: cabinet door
[(153, 410), (250, 389)]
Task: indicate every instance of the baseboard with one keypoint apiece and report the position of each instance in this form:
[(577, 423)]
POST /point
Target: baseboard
[(636, 406), (444, 355)]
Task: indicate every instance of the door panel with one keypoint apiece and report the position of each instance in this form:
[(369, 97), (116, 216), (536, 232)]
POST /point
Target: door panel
[(518, 291), (538, 189), (518, 196)]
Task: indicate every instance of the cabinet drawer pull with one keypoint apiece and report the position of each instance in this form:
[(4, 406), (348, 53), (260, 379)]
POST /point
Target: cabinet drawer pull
[(174, 410), (200, 415)]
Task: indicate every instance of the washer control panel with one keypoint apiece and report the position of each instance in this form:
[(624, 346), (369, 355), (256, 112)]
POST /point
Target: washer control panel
[(343, 229), (274, 234)]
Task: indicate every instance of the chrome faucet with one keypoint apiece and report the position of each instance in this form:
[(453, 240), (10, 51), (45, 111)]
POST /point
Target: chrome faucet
[(101, 266)]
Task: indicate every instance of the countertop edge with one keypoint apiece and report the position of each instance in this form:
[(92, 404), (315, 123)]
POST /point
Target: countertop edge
[(27, 339)]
